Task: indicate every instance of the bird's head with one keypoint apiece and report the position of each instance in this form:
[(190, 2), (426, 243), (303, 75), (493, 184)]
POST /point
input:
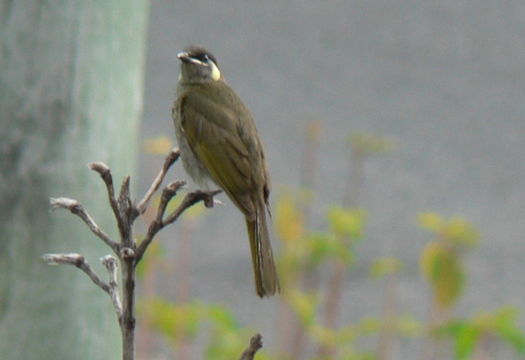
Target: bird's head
[(198, 65)]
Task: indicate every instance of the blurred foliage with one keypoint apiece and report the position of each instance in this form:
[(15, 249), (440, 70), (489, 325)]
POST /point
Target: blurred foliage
[(303, 257), (385, 266), (364, 144), (289, 222), (468, 334), (300, 247), (441, 259), (175, 321), (160, 145), (346, 223), (344, 339), (184, 322), (455, 231), (304, 305), (304, 250), (152, 257), (442, 267), (405, 325)]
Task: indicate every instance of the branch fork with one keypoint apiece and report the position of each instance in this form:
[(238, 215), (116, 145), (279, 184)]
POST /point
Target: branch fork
[(127, 252)]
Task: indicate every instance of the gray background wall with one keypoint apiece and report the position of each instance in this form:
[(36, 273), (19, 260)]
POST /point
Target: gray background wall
[(445, 79)]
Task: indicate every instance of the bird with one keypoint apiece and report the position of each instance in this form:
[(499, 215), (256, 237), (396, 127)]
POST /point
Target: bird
[(219, 144)]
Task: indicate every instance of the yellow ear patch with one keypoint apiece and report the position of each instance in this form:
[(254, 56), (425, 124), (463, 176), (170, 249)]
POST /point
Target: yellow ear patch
[(215, 72)]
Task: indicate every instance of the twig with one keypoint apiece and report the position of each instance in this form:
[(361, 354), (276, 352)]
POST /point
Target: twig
[(127, 214), (76, 208), (156, 225), (170, 160), (112, 267), (80, 262), (167, 194), (159, 223), (190, 200), (255, 345), (105, 173)]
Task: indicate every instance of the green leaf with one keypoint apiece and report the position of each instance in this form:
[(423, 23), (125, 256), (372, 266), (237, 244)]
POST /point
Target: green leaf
[(515, 337), (466, 342), (319, 247), (323, 246), (443, 269), (431, 221), (347, 223), (456, 230), (451, 328), (460, 232), (506, 326), (304, 305), (222, 318), (467, 334)]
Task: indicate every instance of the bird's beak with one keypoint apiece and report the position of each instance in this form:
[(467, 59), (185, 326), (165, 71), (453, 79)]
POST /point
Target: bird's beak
[(186, 58), (183, 56)]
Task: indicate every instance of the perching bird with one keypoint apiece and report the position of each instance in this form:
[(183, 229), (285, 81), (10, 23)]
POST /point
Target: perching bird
[(218, 141)]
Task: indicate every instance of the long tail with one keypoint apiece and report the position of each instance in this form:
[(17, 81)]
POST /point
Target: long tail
[(266, 280)]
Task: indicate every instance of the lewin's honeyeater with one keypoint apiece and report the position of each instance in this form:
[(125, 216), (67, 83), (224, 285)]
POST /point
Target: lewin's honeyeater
[(218, 141)]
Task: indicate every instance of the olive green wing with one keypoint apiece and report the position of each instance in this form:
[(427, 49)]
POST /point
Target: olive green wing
[(213, 133)]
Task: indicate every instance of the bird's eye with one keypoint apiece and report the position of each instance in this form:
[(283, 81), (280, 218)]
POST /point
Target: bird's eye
[(202, 58)]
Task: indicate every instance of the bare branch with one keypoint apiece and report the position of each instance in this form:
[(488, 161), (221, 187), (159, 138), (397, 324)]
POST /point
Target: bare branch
[(156, 225), (172, 157), (189, 200), (76, 208), (80, 262), (128, 213), (57, 259), (127, 251), (255, 345), (105, 173), (111, 265), (124, 191), (167, 194), (63, 202)]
